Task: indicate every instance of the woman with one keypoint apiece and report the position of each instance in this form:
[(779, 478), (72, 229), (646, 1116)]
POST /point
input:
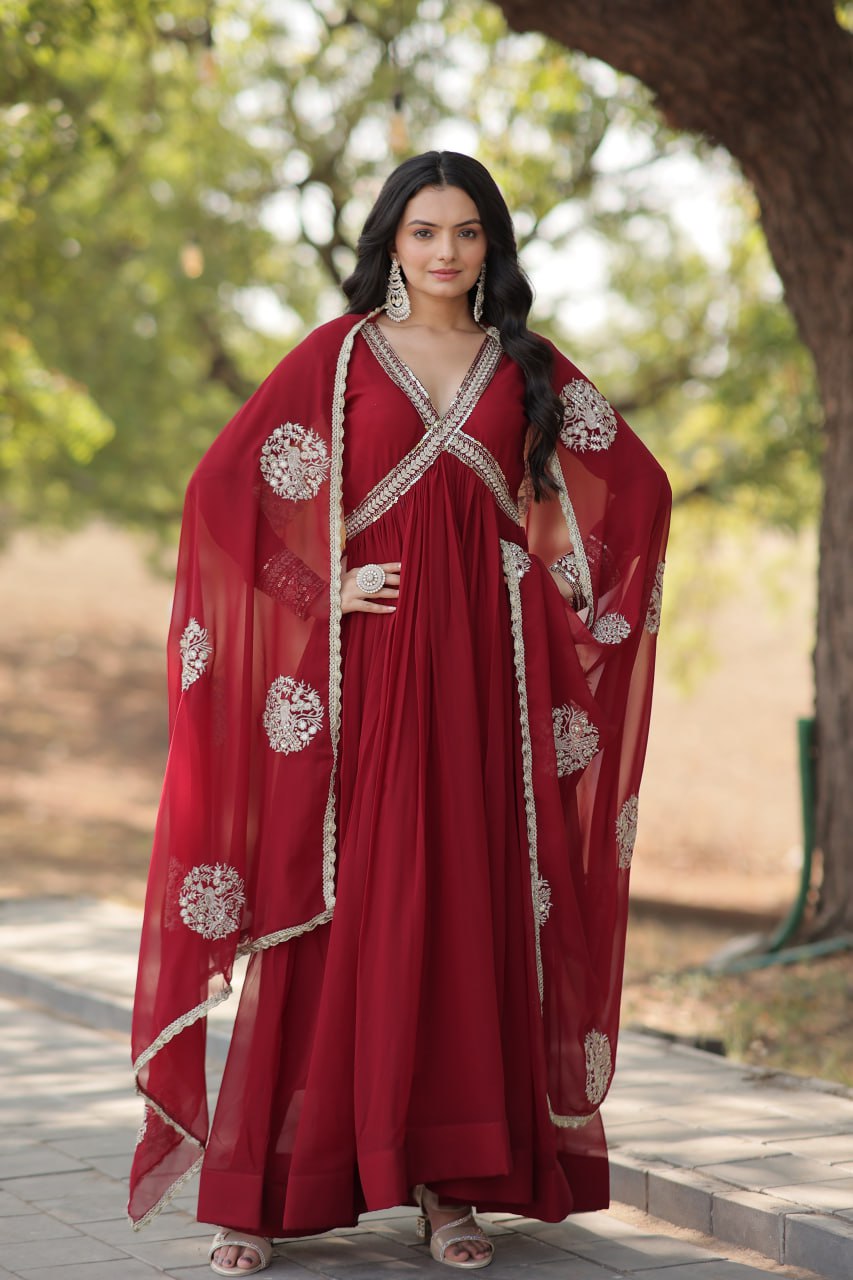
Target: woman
[(411, 656)]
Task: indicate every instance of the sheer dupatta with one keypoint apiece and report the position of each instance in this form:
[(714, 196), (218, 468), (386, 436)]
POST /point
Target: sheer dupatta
[(606, 532)]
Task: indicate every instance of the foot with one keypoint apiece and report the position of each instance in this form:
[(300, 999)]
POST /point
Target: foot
[(237, 1256), (465, 1250)]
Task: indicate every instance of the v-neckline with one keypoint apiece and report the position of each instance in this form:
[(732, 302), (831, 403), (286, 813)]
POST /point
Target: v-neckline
[(412, 378)]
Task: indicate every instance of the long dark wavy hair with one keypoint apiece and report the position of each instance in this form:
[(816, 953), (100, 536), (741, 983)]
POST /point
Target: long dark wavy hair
[(508, 292)]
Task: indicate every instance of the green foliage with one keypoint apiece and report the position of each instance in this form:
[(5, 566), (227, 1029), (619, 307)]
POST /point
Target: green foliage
[(181, 186)]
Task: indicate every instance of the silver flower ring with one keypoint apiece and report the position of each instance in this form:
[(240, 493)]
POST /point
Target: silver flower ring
[(370, 578)]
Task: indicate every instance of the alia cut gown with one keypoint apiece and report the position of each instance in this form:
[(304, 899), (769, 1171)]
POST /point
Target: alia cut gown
[(453, 1019)]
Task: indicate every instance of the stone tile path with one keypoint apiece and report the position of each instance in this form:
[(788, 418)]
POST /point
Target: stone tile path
[(757, 1161)]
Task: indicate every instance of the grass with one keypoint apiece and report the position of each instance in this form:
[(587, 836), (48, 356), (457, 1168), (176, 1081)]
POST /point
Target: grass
[(796, 1018)]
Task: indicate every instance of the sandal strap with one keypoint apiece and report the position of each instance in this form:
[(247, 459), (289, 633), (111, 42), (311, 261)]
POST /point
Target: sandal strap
[(445, 1243), (226, 1239)]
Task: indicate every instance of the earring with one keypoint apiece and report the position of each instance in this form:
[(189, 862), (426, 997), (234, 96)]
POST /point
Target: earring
[(397, 305), (480, 296)]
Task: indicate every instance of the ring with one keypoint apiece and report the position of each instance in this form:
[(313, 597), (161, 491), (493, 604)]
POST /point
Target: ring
[(370, 578)]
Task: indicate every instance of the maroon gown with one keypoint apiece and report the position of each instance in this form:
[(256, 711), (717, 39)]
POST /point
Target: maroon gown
[(443, 1008)]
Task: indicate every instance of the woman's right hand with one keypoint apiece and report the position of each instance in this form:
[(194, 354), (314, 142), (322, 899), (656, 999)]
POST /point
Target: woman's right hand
[(354, 600)]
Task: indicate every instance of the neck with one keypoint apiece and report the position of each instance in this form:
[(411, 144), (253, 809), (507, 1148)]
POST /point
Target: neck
[(439, 313)]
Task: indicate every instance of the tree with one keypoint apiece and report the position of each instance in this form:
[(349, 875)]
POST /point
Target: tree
[(772, 82)]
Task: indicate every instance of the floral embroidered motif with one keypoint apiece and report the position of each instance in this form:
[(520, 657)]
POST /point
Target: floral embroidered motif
[(543, 900), (599, 1065), (611, 628), (626, 830), (212, 900), (290, 581), (517, 557), (294, 461), (575, 739), (589, 422), (195, 652), (293, 714), (655, 601), (439, 431)]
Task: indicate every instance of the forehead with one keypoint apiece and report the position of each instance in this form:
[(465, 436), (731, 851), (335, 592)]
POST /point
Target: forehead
[(444, 206)]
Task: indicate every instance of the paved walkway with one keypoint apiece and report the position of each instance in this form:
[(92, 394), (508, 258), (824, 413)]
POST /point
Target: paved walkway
[(756, 1160)]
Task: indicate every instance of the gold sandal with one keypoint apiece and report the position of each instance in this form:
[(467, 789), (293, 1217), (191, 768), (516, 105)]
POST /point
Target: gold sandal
[(226, 1238), (451, 1233)]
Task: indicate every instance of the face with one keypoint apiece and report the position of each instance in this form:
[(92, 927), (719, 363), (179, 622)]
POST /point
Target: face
[(440, 242)]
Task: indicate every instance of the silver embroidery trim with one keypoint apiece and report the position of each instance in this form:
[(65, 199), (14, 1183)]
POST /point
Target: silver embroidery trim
[(283, 935), (599, 1065), (335, 530), (294, 461), (574, 533), (589, 422), (510, 552), (517, 555), (475, 454), (175, 1028), (293, 715), (653, 613), (438, 434), (167, 1196), (543, 901), (575, 738), (196, 650), (212, 900), (611, 628), (570, 1122), (626, 830)]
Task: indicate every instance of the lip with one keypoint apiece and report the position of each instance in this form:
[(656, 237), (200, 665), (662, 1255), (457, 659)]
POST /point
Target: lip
[(445, 275)]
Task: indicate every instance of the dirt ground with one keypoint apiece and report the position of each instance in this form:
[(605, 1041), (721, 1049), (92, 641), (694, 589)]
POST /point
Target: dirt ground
[(83, 748)]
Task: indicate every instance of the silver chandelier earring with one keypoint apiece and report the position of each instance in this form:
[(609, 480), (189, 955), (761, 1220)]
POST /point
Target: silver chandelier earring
[(480, 296), (397, 305)]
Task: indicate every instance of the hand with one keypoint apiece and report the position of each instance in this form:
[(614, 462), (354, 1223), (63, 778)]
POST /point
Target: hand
[(354, 600)]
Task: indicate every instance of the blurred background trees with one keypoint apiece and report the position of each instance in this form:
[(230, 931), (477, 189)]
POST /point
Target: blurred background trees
[(181, 187)]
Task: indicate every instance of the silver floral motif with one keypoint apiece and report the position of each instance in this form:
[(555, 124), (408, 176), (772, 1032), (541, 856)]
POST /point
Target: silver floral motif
[(211, 900), (195, 652), (294, 461), (575, 739), (599, 1065), (589, 422), (611, 628), (626, 831), (542, 904), (517, 557), (655, 601), (293, 715)]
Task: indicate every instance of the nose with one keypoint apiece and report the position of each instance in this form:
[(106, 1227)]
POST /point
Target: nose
[(447, 248)]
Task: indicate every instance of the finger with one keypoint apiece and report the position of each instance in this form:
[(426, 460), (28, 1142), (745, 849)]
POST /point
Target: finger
[(369, 607)]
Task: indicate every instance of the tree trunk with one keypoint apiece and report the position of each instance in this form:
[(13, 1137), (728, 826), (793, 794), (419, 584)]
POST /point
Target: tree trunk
[(772, 82)]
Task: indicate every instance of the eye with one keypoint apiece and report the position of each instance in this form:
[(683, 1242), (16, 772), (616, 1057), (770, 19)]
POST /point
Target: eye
[(470, 233), (421, 233)]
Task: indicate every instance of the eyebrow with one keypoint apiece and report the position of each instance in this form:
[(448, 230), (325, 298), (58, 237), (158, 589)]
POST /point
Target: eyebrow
[(421, 222)]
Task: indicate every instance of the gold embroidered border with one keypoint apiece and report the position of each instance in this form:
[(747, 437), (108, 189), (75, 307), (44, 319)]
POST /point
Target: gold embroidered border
[(284, 935), (335, 517), (475, 455), (168, 1195), (575, 535), (175, 1028), (508, 550), (439, 433)]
